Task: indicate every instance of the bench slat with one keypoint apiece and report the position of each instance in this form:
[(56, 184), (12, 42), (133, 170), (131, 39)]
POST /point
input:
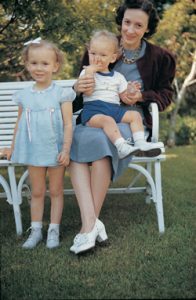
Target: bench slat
[(5, 143), (17, 85), (5, 126), (8, 120), (7, 97), (7, 102), (8, 108), (6, 136), (8, 114), (7, 93)]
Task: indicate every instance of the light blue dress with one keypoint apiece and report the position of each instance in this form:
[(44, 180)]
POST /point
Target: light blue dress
[(39, 137)]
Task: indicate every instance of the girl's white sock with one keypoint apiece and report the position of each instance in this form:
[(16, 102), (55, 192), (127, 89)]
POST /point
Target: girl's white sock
[(54, 226), (36, 225)]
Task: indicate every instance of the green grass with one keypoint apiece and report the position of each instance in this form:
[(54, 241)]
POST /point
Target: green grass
[(136, 263)]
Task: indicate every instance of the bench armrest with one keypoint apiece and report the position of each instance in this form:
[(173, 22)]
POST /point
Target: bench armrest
[(155, 122)]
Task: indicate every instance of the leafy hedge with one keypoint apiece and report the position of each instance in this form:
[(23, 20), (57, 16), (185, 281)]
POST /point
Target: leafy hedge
[(186, 134), (185, 129)]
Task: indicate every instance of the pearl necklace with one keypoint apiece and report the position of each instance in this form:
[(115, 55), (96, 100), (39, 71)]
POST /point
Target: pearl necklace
[(135, 56)]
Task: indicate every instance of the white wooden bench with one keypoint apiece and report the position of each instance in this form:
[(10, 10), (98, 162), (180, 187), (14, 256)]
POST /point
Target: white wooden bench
[(150, 168)]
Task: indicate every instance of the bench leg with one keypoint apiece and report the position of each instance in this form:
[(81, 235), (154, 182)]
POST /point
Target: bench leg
[(15, 199), (21, 186), (159, 202), (6, 188), (156, 189), (148, 198)]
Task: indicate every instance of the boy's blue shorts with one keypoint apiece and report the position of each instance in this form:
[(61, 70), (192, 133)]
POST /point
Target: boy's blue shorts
[(96, 107)]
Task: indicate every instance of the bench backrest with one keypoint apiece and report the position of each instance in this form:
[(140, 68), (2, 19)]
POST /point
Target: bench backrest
[(9, 110)]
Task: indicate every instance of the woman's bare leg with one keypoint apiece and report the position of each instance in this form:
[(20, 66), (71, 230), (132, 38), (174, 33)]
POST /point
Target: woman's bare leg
[(80, 178), (100, 181), (90, 187)]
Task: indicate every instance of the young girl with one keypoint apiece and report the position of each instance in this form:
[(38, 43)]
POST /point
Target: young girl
[(43, 136), (102, 107)]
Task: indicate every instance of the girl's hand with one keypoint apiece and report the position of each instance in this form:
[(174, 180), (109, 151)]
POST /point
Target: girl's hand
[(6, 152), (63, 158), (85, 84), (9, 153)]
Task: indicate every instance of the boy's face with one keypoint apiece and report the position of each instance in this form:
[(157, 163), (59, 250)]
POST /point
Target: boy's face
[(102, 52)]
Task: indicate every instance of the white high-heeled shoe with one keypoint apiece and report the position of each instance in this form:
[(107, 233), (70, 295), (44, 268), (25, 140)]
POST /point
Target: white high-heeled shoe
[(75, 242), (86, 241)]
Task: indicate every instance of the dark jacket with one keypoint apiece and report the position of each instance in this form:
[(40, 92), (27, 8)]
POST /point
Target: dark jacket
[(157, 70)]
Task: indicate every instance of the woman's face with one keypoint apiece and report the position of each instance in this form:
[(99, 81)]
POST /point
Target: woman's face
[(134, 26)]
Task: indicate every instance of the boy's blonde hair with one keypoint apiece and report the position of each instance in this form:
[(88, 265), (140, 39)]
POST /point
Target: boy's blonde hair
[(47, 44), (107, 34)]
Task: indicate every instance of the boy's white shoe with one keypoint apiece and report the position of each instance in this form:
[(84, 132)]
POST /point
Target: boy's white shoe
[(52, 238), (34, 238), (124, 150), (149, 149)]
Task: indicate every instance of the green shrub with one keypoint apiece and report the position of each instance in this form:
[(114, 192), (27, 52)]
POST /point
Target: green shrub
[(164, 127), (185, 129), (186, 133)]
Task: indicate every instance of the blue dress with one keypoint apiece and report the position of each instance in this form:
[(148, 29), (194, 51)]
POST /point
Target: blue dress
[(39, 137), (90, 144)]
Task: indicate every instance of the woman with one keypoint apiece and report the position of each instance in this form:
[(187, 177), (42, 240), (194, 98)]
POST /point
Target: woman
[(141, 61)]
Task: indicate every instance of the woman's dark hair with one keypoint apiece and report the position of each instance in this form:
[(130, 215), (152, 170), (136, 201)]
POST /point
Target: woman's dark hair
[(144, 5)]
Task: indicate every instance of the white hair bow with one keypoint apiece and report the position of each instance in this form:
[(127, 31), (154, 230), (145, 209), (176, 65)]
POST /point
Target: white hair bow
[(35, 41)]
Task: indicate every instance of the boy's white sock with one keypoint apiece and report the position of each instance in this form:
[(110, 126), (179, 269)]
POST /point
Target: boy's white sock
[(37, 225), (119, 142), (138, 137)]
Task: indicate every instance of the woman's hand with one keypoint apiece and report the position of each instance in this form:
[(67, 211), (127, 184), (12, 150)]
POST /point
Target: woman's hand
[(131, 99), (85, 84), (133, 93)]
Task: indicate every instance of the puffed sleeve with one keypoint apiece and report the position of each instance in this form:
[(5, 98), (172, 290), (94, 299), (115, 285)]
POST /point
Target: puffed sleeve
[(67, 95), (17, 98)]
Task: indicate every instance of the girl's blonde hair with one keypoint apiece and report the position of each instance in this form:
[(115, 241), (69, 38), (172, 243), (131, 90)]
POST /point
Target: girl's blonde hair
[(47, 44), (106, 34)]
